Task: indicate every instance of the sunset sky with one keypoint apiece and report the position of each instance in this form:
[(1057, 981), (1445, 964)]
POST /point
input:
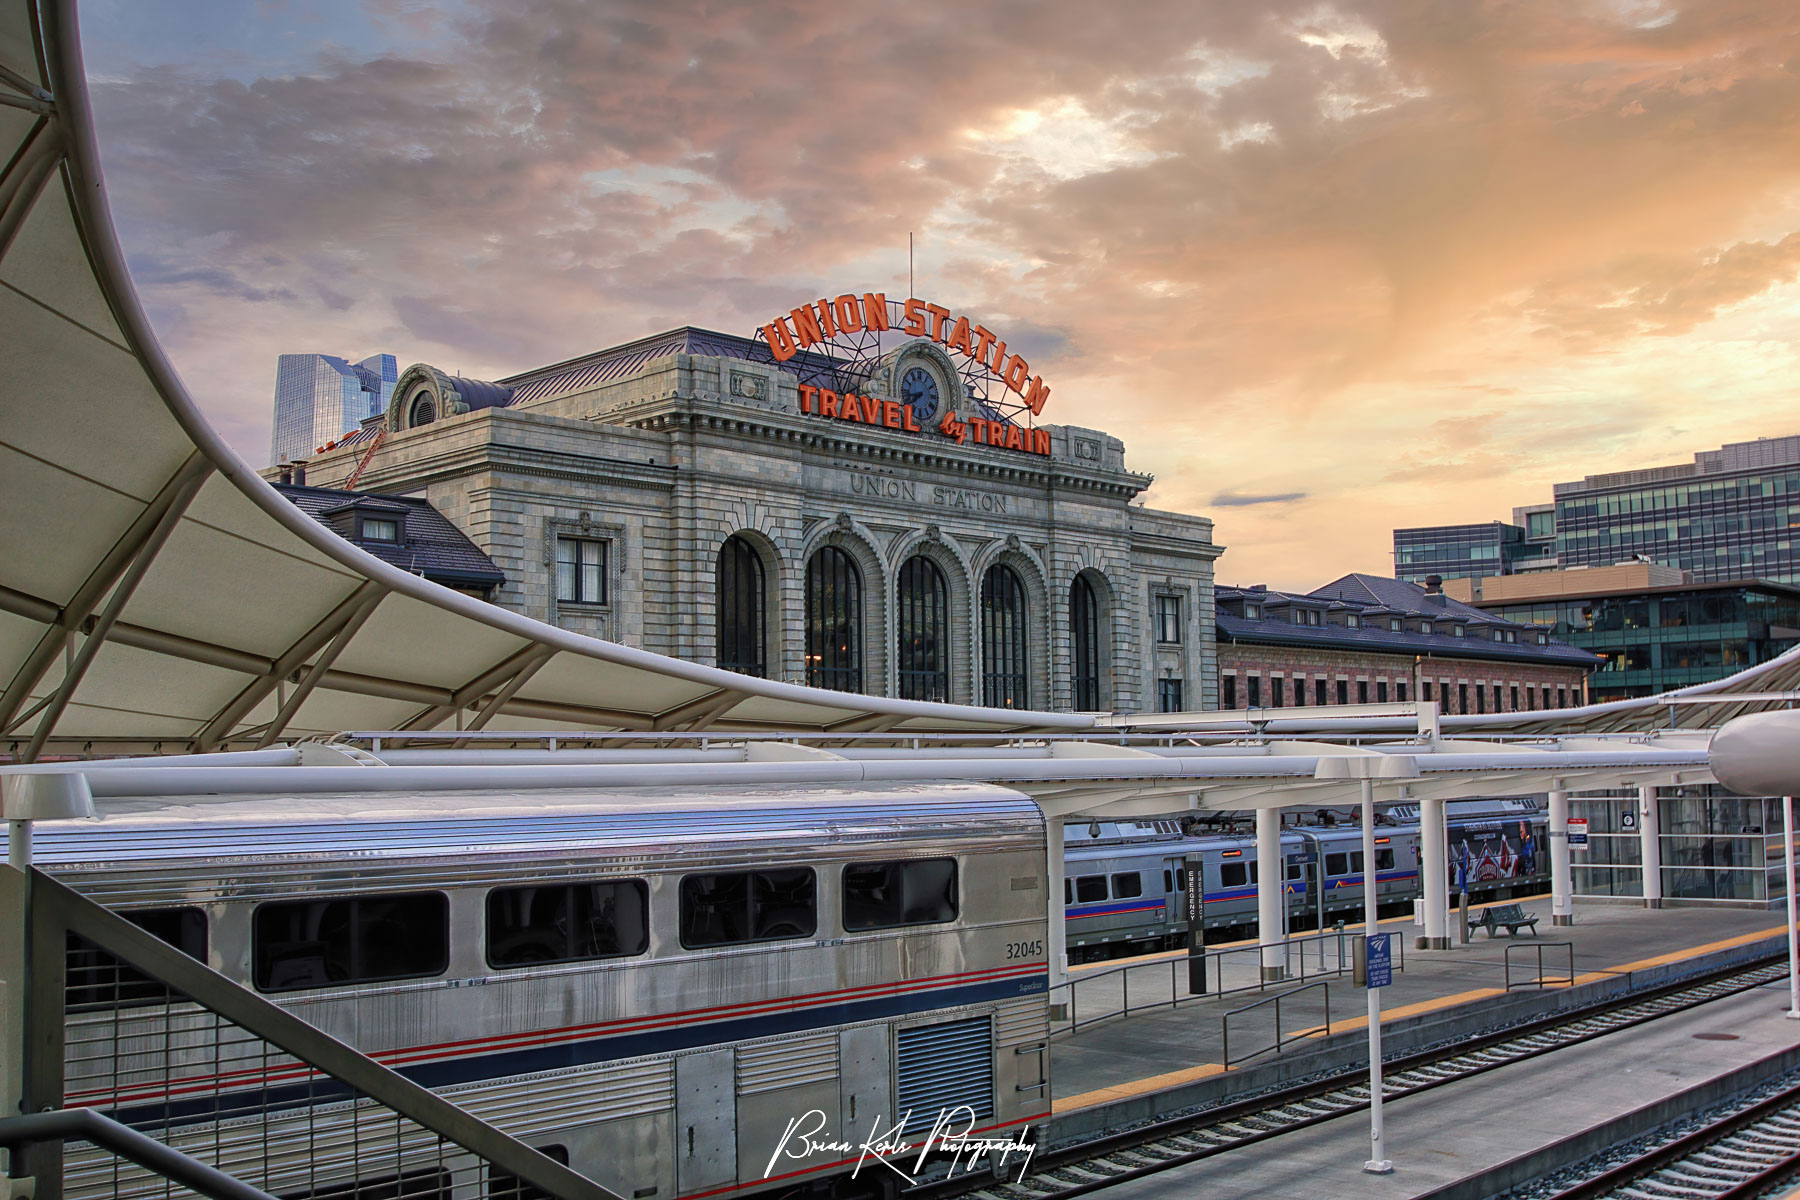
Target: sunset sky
[(1325, 268)]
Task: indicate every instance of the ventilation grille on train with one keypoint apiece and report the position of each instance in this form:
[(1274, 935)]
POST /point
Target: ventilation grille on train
[(942, 1067)]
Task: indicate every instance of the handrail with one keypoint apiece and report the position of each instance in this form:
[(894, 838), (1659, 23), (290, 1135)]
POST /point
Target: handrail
[(1276, 999), (86, 1125)]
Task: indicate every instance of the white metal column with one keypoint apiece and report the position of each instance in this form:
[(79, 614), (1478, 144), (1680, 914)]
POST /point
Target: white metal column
[(1270, 871), (1650, 845), (1378, 1163), (1434, 870), (1053, 881), (1793, 932), (1562, 909)]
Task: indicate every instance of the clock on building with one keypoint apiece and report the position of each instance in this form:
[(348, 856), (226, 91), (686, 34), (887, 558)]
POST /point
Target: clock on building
[(919, 388)]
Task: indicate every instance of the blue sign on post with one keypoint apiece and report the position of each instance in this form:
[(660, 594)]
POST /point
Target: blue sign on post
[(1381, 960)]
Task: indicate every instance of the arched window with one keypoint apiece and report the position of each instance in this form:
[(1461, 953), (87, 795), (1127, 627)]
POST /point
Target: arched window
[(833, 621), (1003, 661), (423, 411), (924, 614), (741, 645), (1084, 636)]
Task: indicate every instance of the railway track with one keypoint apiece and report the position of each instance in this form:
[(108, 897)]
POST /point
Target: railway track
[(1088, 1166), (1739, 1156)]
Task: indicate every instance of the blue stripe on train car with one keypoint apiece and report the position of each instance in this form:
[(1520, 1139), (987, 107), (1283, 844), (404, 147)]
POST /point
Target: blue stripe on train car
[(1112, 910)]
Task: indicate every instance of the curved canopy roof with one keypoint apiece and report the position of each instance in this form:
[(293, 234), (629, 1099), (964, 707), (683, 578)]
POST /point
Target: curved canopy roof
[(156, 594)]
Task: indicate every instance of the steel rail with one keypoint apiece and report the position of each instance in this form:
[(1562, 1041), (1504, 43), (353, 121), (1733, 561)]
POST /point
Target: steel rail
[(1101, 1162), (86, 1125)]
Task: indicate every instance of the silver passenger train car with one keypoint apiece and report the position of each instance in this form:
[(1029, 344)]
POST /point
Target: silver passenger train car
[(647, 985), (1124, 889)]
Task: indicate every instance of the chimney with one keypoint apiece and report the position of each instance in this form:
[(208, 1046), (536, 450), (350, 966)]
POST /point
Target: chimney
[(1434, 583), (300, 473), (287, 472)]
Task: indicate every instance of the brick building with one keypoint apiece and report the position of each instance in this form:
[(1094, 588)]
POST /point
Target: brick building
[(885, 519), (1364, 639)]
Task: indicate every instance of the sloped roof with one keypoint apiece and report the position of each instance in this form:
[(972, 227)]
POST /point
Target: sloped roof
[(432, 547), (155, 593)]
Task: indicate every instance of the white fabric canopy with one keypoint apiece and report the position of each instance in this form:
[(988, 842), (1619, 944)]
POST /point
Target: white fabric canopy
[(155, 594)]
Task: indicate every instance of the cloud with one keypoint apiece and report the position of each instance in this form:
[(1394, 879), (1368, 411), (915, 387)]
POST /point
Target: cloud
[(1274, 247), (1235, 500)]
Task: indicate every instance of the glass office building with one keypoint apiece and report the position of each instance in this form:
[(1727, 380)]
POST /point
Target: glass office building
[(1659, 638), (1466, 551), (320, 398)]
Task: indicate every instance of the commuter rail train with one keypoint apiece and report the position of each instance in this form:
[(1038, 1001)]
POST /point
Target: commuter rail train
[(646, 985), (1124, 883)]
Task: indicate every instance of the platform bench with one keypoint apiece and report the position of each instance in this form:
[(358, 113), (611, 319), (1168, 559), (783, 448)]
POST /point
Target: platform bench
[(1513, 917)]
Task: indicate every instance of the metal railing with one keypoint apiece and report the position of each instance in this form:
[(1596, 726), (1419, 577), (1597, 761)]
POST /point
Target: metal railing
[(1104, 994), (139, 1034), (1538, 979), (1280, 1040), (84, 1125)]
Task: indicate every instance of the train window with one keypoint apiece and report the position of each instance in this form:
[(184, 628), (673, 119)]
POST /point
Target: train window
[(1337, 864), (1127, 885), (363, 939), (1168, 880), (748, 906), (1293, 870), (504, 1185), (1068, 891), (1384, 859), (1356, 862), (1254, 877), (1233, 875), (1181, 879), (882, 895), (567, 922), (1090, 888), (96, 979)]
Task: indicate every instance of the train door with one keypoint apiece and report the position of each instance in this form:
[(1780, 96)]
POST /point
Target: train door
[(1175, 885), (706, 1120), (863, 1083)]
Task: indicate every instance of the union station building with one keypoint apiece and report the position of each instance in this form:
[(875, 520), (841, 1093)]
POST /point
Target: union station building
[(858, 497)]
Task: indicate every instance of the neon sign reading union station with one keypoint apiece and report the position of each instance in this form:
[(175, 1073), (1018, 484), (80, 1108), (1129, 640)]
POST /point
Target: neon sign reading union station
[(854, 495)]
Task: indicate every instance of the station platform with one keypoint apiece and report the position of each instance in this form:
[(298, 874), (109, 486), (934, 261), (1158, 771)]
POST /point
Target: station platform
[(1159, 1059)]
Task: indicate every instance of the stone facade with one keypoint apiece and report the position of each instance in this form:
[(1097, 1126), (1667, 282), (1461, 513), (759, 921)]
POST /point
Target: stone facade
[(663, 456)]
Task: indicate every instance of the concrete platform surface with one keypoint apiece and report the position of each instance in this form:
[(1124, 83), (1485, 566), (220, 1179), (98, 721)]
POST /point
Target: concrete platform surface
[(1469, 1128), (1160, 1048)]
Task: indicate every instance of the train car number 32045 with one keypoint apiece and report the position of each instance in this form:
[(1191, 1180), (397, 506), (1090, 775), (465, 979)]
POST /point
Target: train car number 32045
[(1024, 949)]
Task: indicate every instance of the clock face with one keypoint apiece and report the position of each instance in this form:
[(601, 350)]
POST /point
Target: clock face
[(919, 388)]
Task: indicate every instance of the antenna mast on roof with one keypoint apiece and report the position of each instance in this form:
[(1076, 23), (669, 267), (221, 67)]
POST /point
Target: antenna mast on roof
[(909, 267)]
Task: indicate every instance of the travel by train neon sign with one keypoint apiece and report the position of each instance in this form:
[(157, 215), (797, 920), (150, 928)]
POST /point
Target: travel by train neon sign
[(845, 347)]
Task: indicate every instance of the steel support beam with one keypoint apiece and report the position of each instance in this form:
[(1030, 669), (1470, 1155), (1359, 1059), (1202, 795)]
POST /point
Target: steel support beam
[(347, 630), (173, 501), (475, 689), (220, 727), (493, 705), (699, 712)]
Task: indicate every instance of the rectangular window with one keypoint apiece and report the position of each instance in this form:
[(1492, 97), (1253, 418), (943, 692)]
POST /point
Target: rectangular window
[(580, 571), (1425, 690), (1381, 691), (380, 529), (1233, 875), (1400, 688), (1255, 691), (96, 979), (1168, 619), (1343, 691), (1299, 692), (1356, 862), (1320, 692), (1546, 703), (1562, 697), (365, 939), (1277, 693), (1168, 695), (1127, 885), (731, 908), (1228, 698), (1337, 864), (1090, 889), (1384, 859), (567, 922), (1515, 697), (1462, 697), (885, 895), (1480, 699), (1294, 871), (1362, 691)]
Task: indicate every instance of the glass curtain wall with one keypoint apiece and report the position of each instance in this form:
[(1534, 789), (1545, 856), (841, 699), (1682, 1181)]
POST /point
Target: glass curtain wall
[(1613, 863)]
